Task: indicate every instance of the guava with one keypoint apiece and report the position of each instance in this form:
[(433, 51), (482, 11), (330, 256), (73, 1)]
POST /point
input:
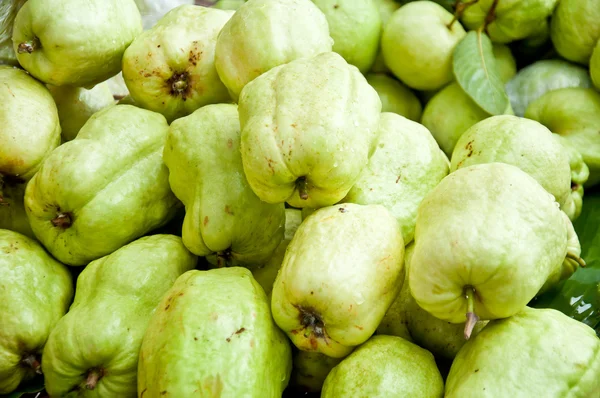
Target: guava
[(511, 20), (418, 42), (308, 129), (507, 65), (395, 96), (93, 350), (487, 238), (542, 76), (76, 105), (224, 221), (573, 113), (227, 346), (386, 9), (341, 272), (406, 165), (528, 355), (575, 30), (385, 366), (170, 68), (60, 49), (595, 66), (524, 143), (263, 34), (36, 291), (355, 27), (104, 189), (449, 114), (310, 369)]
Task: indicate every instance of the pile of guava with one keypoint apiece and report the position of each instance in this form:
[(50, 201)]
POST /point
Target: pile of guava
[(282, 198)]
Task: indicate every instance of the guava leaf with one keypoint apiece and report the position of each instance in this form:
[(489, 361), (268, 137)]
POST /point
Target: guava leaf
[(29, 387), (579, 296), (477, 74)]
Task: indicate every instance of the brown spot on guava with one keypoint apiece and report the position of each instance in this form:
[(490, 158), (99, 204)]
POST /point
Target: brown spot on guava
[(228, 210), (240, 330), (205, 220), (229, 143)]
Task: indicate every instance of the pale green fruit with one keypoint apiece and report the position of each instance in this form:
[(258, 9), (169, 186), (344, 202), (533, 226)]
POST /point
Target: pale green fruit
[(536, 79), (170, 68), (105, 188), (228, 4), (394, 322), (579, 176), (385, 366), (93, 350), (117, 86), (575, 114), (265, 274), (224, 221), (524, 143), (263, 34), (507, 65), (308, 128), (595, 66), (449, 114), (341, 272), (486, 240), (355, 27), (406, 165), (311, 369), (386, 9), (212, 335), (417, 45), (8, 12), (535, 353), (12, 209), (575, 29), (512, 19), (36, 291), (395, 96), (76, 105), (60, 49)]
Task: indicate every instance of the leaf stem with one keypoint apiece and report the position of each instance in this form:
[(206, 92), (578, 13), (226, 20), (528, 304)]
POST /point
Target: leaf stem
[(459, 9)]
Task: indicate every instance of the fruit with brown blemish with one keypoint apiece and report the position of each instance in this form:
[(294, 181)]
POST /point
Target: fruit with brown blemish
[(170, 68), (219, 333), (487, 239), (225, 220), (36, 291), (341, 271)]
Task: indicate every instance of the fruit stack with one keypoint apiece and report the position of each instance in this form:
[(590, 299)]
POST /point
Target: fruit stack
[(353, 198)]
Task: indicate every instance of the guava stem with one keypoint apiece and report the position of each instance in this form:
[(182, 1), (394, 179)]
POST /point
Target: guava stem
[(33, 362), (93, 376), (459, 9), (302, 187), (490, 17), (472, 318), (179, 86), (29, 46), (224, 258), (62, 220), (577, 259)]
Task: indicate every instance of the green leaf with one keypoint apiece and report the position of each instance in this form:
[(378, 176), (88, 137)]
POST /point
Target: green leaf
[(579, 296), (476, 72), (32, 386)]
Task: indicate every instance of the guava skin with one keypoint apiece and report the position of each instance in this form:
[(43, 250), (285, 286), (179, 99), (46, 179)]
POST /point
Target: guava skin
[(105, 188), (512, 19), (595, 66), (224, 220), (38, 290), (355, 27), (486, 240), (406, 165), (170, 69), (308, 129), (527, 355), (228, 346), (395, 96), (76, 105), (310, 369), (574, 29), (416, 26), (386, 9), (385, 366), (507, 65), (449, 114), (534, 80), (93, 350), (59, 49), (263, 34), (521, 142), (573, 113), (341, 272)]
